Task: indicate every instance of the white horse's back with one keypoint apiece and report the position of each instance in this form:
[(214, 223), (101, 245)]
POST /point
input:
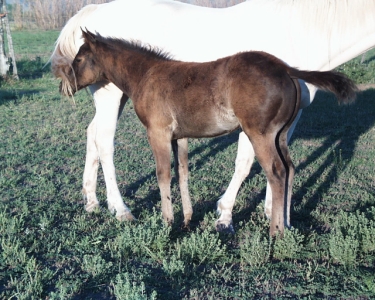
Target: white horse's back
[(193, 33)]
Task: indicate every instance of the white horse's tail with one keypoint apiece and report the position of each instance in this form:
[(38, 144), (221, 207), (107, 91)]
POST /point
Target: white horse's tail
[(66, 47)]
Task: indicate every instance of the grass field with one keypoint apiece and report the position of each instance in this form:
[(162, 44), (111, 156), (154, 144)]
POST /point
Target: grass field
[(50, 248)]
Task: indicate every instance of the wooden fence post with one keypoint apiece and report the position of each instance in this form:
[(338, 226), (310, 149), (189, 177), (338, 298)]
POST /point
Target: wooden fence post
[(4, 65)]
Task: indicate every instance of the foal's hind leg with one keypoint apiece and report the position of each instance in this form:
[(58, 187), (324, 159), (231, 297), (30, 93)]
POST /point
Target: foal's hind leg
[(288, 185), (276, 163), (268, 199), (180, 152)]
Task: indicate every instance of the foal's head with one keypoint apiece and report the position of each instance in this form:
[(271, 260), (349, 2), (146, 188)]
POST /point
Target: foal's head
[(100, 53), (85, 70)]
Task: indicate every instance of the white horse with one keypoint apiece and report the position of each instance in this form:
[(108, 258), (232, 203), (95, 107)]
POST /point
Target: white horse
[(311, 35)]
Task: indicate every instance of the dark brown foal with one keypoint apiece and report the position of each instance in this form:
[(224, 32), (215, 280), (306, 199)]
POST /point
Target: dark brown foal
[(177, 100)]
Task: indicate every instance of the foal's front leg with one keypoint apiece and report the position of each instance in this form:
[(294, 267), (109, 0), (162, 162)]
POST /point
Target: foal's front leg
[(161, 148), (180, 152)]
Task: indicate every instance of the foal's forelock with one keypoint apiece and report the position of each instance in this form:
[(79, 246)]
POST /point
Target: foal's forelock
[(60, 67), (66, 87)]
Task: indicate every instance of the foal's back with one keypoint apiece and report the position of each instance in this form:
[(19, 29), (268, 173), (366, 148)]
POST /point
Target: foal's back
[(216, 97)]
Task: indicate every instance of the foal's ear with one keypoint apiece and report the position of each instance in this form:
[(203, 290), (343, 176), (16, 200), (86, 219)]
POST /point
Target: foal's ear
[(88, 36)]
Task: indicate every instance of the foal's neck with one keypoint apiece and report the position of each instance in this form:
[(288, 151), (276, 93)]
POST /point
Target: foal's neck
[(127, 68)]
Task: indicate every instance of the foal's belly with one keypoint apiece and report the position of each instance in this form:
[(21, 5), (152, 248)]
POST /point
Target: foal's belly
[(208, 124)]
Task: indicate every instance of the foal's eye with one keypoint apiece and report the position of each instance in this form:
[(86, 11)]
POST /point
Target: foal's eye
[(77, 60)]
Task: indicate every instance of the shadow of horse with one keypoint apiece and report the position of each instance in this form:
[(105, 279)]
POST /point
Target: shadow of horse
[(27, 70), (210, 147), (340, 127)]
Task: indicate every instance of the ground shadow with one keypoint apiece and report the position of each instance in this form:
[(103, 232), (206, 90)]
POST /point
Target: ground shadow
[(214, 145), (26, 69), (7, 96), (316, 122), (350, 122), (32, 69)]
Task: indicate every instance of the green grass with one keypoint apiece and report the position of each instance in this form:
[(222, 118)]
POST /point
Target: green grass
[(361, 69), (50, 248)]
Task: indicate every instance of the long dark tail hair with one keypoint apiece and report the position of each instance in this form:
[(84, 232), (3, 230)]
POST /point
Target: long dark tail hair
[(330, 81)]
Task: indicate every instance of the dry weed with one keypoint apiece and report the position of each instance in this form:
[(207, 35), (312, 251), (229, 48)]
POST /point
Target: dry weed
[(46, 14), (53, 14)]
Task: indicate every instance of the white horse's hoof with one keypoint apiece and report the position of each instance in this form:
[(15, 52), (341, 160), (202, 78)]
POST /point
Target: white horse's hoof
[(122, 212), (125, 216), (224, 228), (91, 203), (92, 206)]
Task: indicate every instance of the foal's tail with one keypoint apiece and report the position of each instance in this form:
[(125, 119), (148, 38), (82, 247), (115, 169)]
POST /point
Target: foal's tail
[(329, 81)]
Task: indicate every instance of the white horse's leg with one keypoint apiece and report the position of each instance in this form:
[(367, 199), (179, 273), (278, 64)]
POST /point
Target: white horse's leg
[(268, 200), (244, 160), (100, 146), (91, 169)]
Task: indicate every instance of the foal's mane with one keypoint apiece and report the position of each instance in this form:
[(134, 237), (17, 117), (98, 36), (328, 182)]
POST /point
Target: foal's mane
[(133, 45)]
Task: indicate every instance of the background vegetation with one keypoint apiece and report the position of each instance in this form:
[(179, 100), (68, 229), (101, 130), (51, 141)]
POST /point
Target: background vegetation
[(44, 14), (53, 14), (50, 248)]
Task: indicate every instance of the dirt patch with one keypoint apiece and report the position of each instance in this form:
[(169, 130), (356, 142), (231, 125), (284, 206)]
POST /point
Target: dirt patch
[(366, 86)]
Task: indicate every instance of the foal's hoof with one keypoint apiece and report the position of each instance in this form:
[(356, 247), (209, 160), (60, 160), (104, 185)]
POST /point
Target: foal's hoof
[(185, 227), (220, 227)]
